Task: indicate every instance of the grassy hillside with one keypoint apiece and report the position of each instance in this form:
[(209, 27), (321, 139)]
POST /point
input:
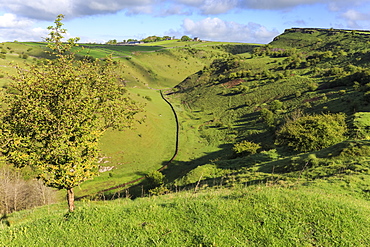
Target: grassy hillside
[(145, 69), (244, 98), (243, 216)]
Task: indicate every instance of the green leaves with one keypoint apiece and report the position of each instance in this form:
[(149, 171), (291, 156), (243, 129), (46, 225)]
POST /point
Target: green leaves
[(309, 133), (57, 111), (246, 148)]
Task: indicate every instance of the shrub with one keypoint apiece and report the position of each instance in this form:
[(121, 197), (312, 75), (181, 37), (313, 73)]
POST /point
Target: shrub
[(155, 178), (268, 117), (276, 105), (313, 160), (160, 190), (148, 98), (312, 86), (272, 154), (243, 89), (246, 148), (309, 133)]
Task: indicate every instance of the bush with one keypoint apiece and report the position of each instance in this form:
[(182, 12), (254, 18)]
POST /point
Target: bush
[(155, 178), (312, 160), (276, 105), (160, 190), (246, 148), (309, 133), (312, 86), (268, 117)]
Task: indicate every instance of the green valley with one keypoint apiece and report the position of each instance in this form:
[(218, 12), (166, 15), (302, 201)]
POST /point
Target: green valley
[(273, 147)]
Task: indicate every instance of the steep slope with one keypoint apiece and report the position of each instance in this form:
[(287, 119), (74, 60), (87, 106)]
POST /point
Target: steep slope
[(261, 216), (302, 72)]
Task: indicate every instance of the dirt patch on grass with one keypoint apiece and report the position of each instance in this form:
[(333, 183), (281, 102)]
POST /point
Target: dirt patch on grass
[(233, 83)]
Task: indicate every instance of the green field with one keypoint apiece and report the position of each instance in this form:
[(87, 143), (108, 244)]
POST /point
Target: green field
[(254, 216)]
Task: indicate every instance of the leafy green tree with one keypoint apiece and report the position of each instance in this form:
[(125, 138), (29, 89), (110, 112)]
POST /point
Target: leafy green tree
[(155, 178), (310, 133), (185, 38), (57, 111), (112, 42)]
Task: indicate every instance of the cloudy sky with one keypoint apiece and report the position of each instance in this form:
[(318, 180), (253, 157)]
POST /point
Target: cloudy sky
[(253, 21)]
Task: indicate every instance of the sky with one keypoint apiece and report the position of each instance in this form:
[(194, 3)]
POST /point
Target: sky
[(249, 21)]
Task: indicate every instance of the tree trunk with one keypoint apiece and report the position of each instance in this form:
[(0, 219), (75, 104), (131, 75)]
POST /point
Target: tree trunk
[(71, 199)]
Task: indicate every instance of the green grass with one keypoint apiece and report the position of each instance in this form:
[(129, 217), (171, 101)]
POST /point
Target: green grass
[(258, 216), (135, 152)]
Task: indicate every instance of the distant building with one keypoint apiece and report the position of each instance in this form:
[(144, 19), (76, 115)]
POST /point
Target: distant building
[(135, 42)]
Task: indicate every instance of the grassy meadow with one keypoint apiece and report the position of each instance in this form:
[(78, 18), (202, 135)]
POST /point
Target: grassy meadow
[(243, 216)]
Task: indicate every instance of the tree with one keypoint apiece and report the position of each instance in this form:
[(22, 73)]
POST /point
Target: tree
[(111, 42), (56, 113), (185, 38), (310, 133)]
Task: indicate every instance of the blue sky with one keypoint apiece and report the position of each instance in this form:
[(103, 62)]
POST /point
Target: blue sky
[(251, 21)]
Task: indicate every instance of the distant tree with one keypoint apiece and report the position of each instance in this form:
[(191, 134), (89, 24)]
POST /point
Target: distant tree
[(57, 111), (152, 39), (185, 38), (112, 42)]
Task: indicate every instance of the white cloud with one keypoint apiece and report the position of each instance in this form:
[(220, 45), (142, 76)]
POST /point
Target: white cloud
[(172, 10), (212, 7), (275, 4), (38, 9), (334, 5), (48, 10), (353, 16), (26, 34), (219, 30), (13, 27), (9, 20)]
